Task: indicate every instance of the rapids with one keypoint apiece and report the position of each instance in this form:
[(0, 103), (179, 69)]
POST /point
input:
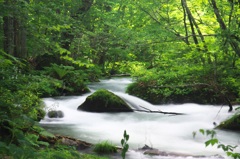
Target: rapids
[(171, 133)]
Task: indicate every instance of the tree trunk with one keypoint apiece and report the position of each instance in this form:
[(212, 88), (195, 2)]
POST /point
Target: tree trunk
[(19, 39), (191, 19), (234, 44), (194, 25), (8, 43), (14, 42), (185, 23), (67, 35)]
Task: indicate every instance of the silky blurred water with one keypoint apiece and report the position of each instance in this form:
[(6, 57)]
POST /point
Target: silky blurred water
[(171, 133)]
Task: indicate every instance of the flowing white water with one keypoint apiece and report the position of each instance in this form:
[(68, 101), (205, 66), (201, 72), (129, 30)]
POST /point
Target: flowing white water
[(171, 133)]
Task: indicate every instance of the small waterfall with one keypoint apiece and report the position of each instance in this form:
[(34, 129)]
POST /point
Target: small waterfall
[(137, 103)]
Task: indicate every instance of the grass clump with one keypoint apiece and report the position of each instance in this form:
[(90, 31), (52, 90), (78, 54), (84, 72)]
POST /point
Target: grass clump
[(89, 156), (105, 148)]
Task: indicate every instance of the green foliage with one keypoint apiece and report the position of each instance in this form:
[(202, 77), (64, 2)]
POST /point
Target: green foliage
[(89, 156), (181, 70), (124, 144), (72, 80), (210, 133), (21, 109), (60, 71), (45, 86), (228, 149), (59, 151), (173, 59), (134, 37), (184, 83), (104, 148)]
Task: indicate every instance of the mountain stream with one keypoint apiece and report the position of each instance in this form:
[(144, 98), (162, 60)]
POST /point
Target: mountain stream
[(170, 133)]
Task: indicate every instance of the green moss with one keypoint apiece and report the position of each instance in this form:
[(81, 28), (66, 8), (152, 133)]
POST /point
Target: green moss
[(104, 101), (233, 123)]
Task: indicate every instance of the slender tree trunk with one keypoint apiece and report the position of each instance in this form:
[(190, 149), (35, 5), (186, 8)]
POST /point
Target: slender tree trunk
[(234, 44), (102, 60), (67, 36), (8, 43), (19, 39), (185, 23), (194, 25), (218, 16), (193, 22), (191, 19), (14, 42)]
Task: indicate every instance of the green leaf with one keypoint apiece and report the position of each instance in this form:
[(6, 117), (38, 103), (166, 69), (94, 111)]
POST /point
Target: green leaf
[(126, 147), (122, 142), (211, 132), (125, 133), (211, 142), (46, 134), (202, 131), (127, 137), (43, 143)]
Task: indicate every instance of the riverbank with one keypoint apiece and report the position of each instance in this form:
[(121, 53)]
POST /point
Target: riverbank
[(146, 152)]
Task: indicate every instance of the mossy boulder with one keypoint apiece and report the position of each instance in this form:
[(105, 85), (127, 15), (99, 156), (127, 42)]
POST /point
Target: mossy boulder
[(104, 101), (232, 123), (199, 93)]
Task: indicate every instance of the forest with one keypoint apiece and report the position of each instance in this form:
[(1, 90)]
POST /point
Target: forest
[(184, 51)]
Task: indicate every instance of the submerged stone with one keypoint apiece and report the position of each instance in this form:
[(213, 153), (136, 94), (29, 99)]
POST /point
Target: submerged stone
[(104, 101), (55, 114)]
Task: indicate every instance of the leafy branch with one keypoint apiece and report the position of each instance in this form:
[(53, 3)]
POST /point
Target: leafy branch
[(124, 144), (228, 149)]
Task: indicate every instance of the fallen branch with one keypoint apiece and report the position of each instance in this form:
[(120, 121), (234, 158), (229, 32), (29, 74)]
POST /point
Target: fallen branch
[(155, 111)]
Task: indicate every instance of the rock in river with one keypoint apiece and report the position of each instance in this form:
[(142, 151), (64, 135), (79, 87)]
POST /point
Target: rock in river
[(55, 114), (104, 101)]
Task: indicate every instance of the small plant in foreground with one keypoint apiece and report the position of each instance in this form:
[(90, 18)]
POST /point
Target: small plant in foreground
[(104, 148), (228, 149), (124, 144)]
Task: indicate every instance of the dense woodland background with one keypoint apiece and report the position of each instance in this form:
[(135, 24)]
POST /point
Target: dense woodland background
[(177, 52)]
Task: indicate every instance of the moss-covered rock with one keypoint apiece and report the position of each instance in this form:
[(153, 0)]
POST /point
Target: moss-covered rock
[(232, 123), (104, 101), (178, 94)]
